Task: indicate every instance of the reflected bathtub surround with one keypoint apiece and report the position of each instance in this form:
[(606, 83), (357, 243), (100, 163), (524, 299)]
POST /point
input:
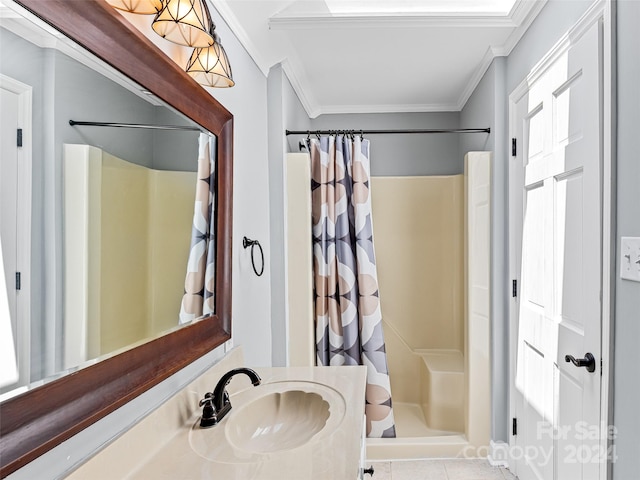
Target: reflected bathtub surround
[(126, 242)]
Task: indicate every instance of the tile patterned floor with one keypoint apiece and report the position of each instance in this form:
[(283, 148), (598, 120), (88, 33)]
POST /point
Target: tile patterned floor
[(439, 470)]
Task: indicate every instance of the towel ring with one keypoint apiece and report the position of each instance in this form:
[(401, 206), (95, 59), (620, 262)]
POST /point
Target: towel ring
[(246, 243)]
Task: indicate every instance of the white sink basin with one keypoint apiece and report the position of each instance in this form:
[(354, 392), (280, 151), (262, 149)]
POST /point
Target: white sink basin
[(278, 421), (269, 419)]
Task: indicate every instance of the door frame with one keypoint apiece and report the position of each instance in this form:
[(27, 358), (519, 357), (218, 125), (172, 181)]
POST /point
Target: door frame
[(601, 11), (23, 225)]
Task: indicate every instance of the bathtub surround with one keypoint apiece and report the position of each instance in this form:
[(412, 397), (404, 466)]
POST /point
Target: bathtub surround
[(200, 281), (433, 241), (347, 303), (419, 231), (420, 228), (299, 252)]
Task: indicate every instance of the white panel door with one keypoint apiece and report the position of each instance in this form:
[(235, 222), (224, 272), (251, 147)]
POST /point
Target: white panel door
[(15, 220), (556, 194), (9, 101)]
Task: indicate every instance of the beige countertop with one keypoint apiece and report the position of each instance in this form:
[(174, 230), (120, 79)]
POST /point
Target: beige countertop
[(168, 444)]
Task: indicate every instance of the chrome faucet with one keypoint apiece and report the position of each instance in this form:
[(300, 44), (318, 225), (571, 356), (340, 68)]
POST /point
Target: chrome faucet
[(216, 405)]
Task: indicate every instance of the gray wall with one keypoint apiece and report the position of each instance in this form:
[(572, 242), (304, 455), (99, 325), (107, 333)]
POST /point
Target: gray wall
[(174, 149), (276, 142), (295, 116), (487, 107), (404, 155), (247, 101), (480, 111), (285, 112), (627, 299), (82, 94)]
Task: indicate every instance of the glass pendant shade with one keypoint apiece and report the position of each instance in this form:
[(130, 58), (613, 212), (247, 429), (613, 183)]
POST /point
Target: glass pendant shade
[(210, 66), (143, 7), (185, 22)]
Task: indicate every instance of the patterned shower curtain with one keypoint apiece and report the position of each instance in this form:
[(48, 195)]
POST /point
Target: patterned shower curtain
[(347, 313), (199, 284)]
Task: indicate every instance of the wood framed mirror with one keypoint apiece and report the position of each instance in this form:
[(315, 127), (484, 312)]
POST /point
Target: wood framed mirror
[(77, 400)]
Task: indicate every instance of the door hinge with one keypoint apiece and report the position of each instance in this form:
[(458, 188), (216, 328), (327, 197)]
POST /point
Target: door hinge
[(18, 281), (514, 427), (514, 149), (19, 137), (514, 288)]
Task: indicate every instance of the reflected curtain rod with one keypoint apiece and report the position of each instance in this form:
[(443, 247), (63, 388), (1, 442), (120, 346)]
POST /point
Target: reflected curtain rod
[(135, 125), (384, 132)]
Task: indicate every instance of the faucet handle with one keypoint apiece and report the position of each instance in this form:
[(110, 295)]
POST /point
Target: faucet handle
[(209, 413), (208, 398)]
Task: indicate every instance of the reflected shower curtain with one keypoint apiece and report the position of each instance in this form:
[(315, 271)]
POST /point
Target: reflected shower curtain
[(347, 313), (199, 284)]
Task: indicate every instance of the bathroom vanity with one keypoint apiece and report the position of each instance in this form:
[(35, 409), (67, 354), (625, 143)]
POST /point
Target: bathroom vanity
[(299, 423)]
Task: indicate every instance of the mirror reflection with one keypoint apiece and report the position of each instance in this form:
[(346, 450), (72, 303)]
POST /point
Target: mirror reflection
[(86, 209)]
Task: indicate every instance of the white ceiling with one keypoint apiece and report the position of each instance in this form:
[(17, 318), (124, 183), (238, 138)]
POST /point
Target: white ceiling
[(366, 56)]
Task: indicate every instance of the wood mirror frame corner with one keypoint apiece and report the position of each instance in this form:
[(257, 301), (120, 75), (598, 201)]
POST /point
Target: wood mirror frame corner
[(38, 420)]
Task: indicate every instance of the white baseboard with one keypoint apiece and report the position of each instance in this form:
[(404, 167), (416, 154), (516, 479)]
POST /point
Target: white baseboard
[(498, 454)]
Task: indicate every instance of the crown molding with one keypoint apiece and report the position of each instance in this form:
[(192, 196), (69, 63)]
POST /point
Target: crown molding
[(525, 16), (291, 69), (476, 78), (241, 34), (525, 12)]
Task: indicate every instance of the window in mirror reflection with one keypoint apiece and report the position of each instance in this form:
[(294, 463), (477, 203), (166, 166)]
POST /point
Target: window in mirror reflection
[(114, 229)]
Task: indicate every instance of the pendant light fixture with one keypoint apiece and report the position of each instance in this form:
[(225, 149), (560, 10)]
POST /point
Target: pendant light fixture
[(185, 22), (188, 23), (209, 66), (142, 7)]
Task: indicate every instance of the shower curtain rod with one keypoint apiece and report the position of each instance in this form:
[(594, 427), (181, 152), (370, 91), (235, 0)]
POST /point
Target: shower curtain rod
[(135, 125), (384, 132)]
